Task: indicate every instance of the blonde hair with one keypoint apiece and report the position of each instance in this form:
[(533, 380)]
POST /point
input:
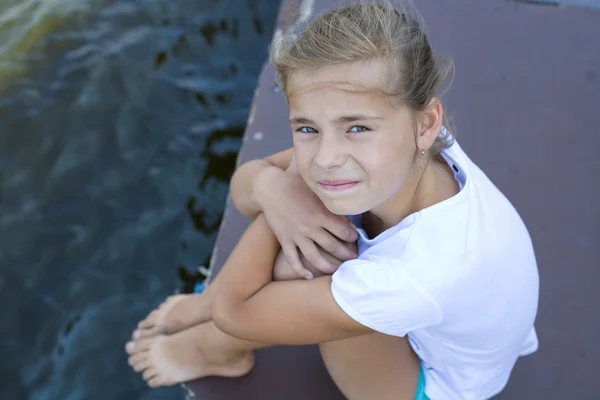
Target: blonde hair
[(364, 32)]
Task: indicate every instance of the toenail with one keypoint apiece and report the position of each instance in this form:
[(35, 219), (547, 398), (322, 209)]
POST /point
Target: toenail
[(131, 346), (137, 334)]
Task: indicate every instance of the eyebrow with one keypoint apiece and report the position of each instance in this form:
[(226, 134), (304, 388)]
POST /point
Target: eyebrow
[(341, 120)]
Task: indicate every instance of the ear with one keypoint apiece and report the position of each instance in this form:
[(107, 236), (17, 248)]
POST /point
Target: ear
[(430, 123)]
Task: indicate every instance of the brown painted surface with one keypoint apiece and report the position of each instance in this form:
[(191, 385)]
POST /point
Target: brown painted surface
[(526, 104)]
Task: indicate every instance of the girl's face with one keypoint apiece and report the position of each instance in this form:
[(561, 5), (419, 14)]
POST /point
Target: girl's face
[(353, 148)]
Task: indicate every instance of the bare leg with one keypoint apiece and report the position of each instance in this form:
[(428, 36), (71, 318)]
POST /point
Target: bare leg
[(178, 342), (366, 367), (374, 366), (183, 311), (199, 351), (177, 313)]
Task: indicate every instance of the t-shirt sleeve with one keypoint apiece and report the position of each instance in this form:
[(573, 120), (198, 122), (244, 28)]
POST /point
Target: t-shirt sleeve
[(383, 297)]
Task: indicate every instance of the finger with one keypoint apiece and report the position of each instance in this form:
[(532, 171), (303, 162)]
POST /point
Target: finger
[(335, 261), (332, 245), (291, 253), (341, 227), (311, 252), (316, 272)]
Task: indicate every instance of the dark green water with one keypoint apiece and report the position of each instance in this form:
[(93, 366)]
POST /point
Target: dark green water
[(120, 122)]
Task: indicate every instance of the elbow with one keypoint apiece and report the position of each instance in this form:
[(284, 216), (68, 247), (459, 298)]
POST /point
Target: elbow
[(240, 191), (236, 194)]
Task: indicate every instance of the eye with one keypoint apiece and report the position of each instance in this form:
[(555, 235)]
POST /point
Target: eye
[(306, 129), (359, 128)]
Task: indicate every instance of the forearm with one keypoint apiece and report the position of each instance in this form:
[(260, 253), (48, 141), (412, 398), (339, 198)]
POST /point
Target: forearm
[(282, 271), (248, 269), (204, 301), (250, 306)]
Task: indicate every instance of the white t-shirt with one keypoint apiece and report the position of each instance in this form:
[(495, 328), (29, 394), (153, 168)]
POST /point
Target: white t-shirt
[(459, 278)]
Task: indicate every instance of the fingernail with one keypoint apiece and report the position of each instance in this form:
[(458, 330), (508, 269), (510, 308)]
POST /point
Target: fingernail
[(308, 277), (131, 346), (137, 334)]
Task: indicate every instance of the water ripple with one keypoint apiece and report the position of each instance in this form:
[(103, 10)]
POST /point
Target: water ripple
[(120, 122)]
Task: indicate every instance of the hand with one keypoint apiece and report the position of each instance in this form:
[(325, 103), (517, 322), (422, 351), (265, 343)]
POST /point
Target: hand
[(283, 271), (299, 220)]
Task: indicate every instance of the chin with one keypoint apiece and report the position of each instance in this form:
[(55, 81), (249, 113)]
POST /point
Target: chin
[(344, 207)]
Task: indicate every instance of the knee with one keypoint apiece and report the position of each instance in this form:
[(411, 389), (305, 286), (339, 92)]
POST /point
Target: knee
[(283, 271)]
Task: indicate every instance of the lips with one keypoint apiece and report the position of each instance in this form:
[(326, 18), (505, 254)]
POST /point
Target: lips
[(337, 184)]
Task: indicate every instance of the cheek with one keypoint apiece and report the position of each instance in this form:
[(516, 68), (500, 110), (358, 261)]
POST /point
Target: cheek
[(303, 159), (387, 165), (386, 154), (387, 170)]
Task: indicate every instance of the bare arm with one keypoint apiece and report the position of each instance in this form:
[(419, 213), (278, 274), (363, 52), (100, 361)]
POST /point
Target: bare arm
[(244, 178), (308, 233), (292, 312), (283, 270)]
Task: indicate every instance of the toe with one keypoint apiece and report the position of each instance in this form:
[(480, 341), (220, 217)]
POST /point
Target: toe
[(136, 335), (143, 344), (149, 373), (150, 333), (149, 321), (142, 365), (137, 358), (155, 382), (138, 346), (145, 333), (130, 347)]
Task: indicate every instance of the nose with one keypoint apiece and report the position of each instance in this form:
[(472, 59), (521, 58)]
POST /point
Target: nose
[(330, 154)]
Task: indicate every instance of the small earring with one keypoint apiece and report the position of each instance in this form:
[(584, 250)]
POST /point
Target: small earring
[(421, 159)]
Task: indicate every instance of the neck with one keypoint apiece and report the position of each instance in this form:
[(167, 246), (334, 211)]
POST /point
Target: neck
[(425, 187)]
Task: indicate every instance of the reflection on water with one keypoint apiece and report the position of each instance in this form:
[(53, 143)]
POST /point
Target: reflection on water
[(119, 126)]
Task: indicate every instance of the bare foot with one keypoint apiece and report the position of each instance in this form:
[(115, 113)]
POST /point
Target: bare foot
[(197, 352), (175, 314)]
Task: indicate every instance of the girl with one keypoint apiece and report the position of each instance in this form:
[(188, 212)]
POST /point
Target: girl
[(440, 301)]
